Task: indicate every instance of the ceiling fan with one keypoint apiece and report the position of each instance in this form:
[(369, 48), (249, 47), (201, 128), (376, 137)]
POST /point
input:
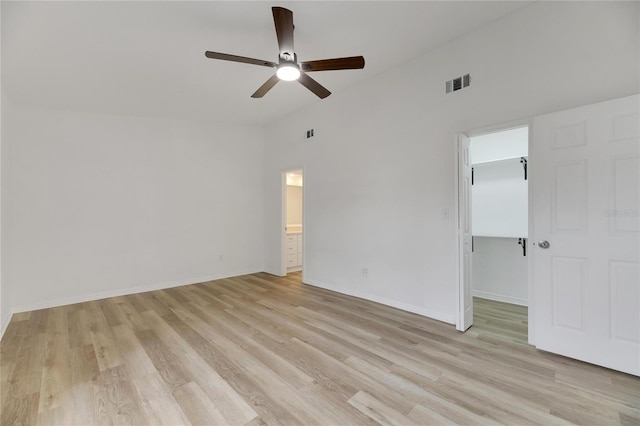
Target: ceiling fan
[(288, 68)]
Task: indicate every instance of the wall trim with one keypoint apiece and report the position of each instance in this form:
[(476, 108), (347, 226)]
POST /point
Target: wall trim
[(436, 315), (125, 291), (500, 298), (439, 316), (5, 324)]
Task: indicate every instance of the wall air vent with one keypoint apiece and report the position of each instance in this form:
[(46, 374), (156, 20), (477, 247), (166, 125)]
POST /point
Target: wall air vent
[(449, 86), (456, 84)]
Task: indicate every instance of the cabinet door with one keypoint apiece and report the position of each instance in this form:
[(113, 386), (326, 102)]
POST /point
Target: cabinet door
[(292, 260), (292, 247)]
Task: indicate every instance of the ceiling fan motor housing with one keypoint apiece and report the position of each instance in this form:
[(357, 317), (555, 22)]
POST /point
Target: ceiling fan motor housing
[(288, 57)]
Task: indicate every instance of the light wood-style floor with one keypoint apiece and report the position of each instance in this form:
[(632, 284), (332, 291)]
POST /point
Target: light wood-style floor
[(261, 349)]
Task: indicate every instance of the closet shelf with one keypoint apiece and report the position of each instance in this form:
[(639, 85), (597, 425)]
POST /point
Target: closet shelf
[(499, 236), (501, 160)]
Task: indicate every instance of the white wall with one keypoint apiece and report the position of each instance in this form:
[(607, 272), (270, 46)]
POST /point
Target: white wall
[(5, 310), (499, 199), (499, 145), (101, 205), (500, 271), (5, 307), (294, 205), (392, 139)]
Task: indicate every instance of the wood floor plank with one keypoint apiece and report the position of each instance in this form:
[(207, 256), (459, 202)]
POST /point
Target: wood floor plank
[(116, 398), (102, 338), (378, 411), (133, 353), (266, 350), (229, 359), (38, 320), (197, 406), (84, 402), (231, 403), (15, 333), (26, 377), (6, 371), (56, 375), (242, 336), (158, 402), (129, 315), (423, 415), (169, 366), (20, 410), (340, 409), (59, 416), (84, 364), (78, 324), (323, 376), (21, 316), (149, 302), (110, 311), (458, 412)]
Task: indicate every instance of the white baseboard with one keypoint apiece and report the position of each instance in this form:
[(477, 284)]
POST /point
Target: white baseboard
[(500, 298), (124, 292), (440, 316), (5, 324)]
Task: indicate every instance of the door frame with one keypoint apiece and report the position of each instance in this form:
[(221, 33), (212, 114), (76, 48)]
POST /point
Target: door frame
[(283, 219), (461, 292)]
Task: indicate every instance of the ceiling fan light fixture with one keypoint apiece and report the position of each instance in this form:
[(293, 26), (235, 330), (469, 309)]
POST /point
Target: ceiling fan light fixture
[(288, 71)]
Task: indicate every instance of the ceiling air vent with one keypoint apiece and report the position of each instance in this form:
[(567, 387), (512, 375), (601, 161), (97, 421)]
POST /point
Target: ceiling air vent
[(456, 84)]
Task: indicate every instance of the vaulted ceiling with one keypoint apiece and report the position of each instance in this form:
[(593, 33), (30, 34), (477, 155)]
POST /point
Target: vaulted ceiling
[(147, 58)]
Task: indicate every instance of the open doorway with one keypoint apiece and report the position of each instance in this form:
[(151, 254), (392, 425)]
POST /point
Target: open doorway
[(294, 215), (496, 264)]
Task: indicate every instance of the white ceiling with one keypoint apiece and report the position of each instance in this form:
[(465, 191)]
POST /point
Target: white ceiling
[(147, 58)]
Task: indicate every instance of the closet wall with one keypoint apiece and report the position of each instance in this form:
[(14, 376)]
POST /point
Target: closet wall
[(294, 206), (499, 215), (293, 245)]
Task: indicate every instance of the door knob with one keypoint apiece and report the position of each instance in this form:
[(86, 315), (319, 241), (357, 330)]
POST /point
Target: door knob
[(543, 244)]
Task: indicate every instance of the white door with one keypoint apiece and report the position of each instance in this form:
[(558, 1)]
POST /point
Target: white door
[(465, 311), (585, 179)]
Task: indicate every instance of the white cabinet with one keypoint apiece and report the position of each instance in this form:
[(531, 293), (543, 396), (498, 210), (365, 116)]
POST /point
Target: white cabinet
[(293, 252)]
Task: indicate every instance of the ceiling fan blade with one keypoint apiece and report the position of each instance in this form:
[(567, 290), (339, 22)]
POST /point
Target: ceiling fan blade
[(283, 20), (314, 86), (262, 90), (350, 63), (234, 58)]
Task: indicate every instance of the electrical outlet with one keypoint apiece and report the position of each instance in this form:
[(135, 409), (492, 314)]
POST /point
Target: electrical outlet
[(221, 257), (365, 272), (445, 214)]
